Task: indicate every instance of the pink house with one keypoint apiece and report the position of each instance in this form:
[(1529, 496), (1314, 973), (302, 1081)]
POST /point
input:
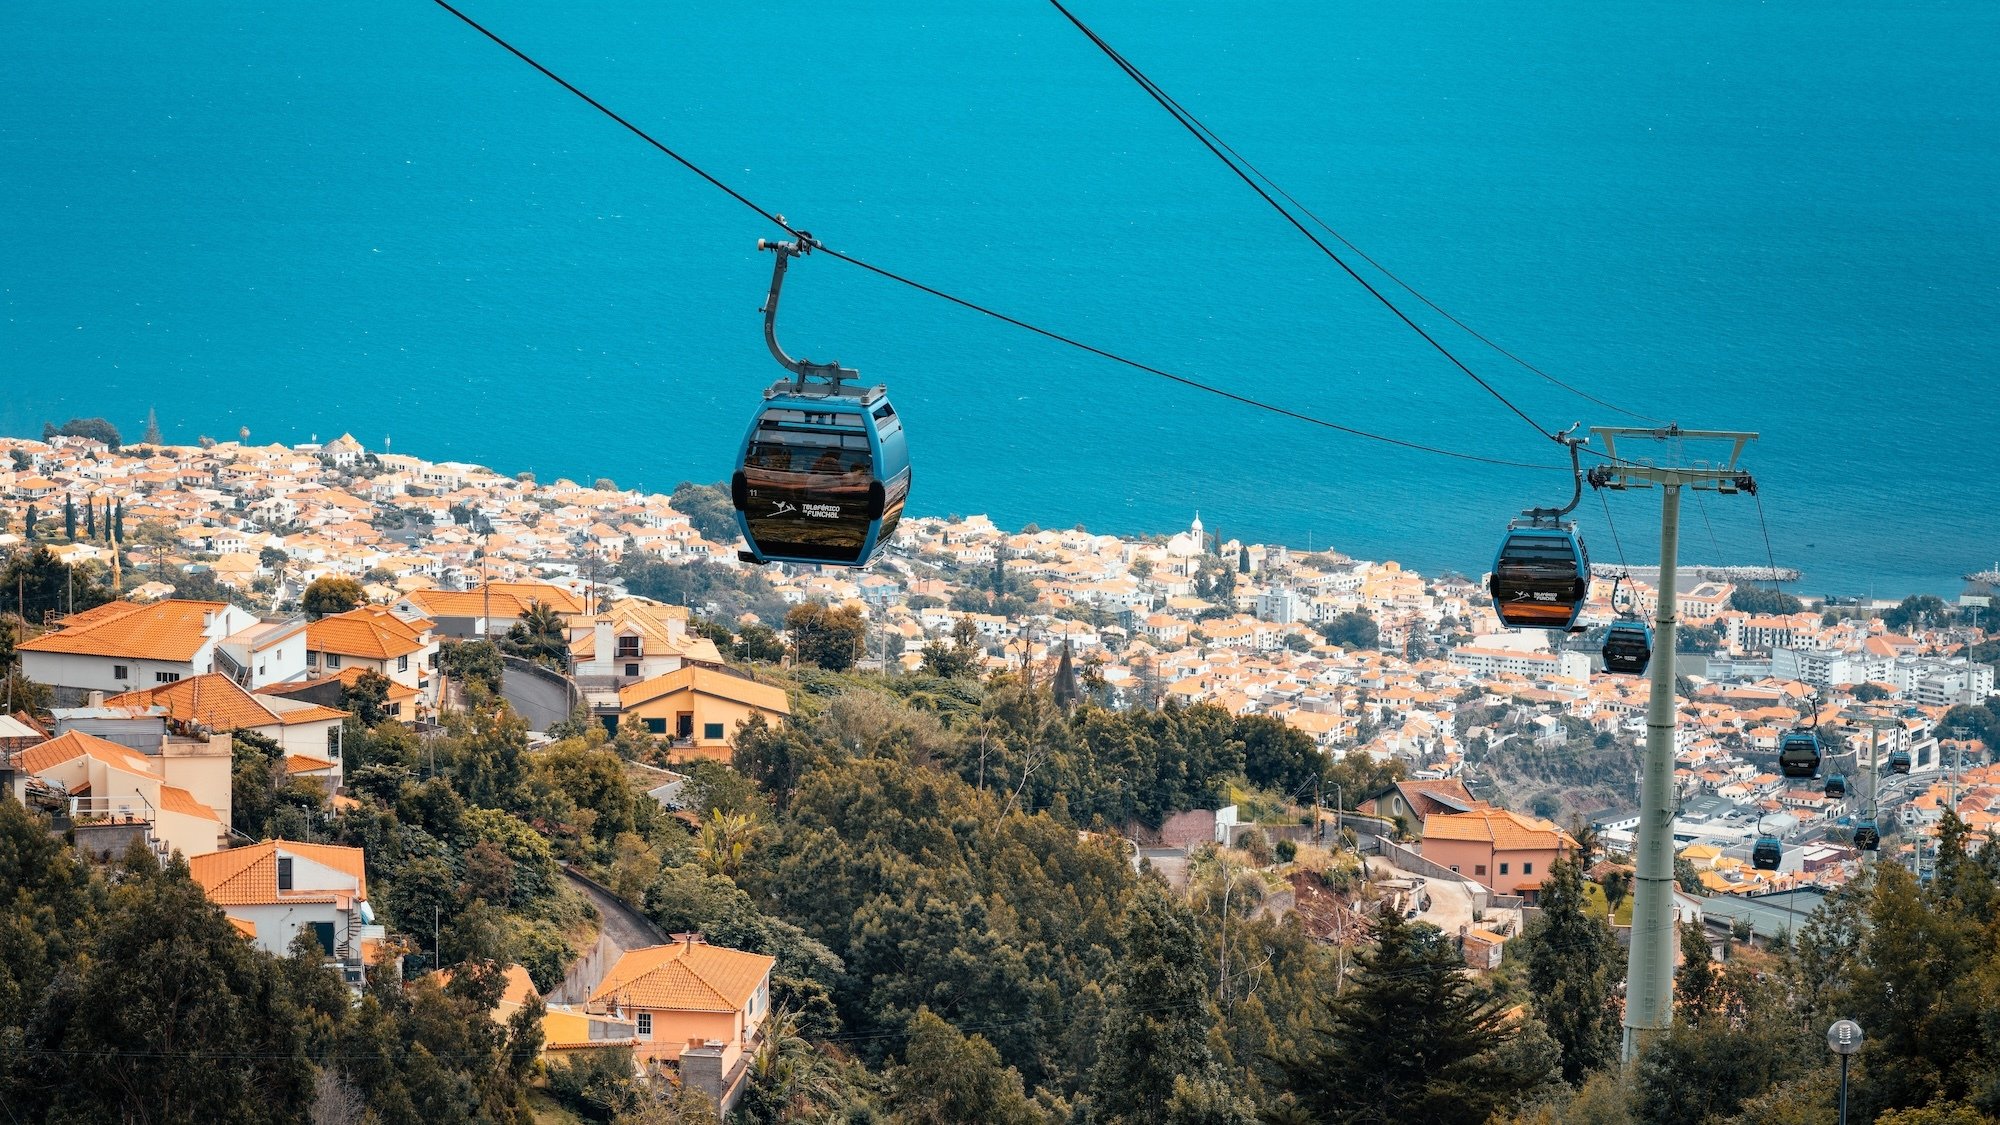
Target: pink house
[(1506, 852)]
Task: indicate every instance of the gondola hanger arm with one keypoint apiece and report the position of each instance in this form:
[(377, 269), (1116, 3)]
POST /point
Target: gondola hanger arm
[(803, 369)]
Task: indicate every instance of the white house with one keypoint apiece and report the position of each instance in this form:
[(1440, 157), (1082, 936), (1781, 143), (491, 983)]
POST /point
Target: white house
[(274, 890), (124, 646)]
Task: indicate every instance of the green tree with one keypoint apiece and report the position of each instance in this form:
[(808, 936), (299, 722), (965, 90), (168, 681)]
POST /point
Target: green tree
[(46, 585), (96, 429), (946, 1078), (540, 635), (1410, 1041), (170, 1016), (472, 663), (1918, 609), (758, 644), (1352, 630), (708, 510), (367, 698), (330, 594), (830, 638), (69, 517), (1573, 967), (1157, 1028), (958, 660), (152, 434), (1764, 600)]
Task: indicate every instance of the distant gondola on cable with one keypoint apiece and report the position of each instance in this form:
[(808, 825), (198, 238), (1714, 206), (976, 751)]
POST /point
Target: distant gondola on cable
[(1899, 761), (1836, 786), (1628, 643), (1541, 574), (1767, 853), (825, 469), (1866, 836), (1799, 750), (1799, 754)]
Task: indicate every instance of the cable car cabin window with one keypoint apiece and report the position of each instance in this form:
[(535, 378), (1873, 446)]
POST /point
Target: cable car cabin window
[(807, 491)]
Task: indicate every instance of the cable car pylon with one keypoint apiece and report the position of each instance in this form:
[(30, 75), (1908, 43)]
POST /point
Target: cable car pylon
[(1649, 997)]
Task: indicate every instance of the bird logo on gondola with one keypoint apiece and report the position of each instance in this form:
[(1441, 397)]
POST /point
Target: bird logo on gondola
[(784, 508)]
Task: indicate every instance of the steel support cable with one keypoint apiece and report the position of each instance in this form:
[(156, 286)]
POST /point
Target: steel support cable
[(1701, 506), (1186, 122), (778, 221), (1189, 118)]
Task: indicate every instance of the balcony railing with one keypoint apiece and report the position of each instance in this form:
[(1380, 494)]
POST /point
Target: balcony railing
[(132, 809)]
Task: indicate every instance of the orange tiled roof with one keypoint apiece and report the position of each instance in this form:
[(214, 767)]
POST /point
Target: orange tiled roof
[(707, 682), (249, 876), (369, 631), (1503, 828), (77, 744), (174, 799), (685, 976), (217, 701), (306, 763), (347, 676), (171, 630)]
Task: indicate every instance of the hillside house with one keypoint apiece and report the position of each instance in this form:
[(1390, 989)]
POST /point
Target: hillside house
[(125, 646), (280, 888), (176, 800), (1501, 849), (308, 733), (696, 1007), (699, 708)]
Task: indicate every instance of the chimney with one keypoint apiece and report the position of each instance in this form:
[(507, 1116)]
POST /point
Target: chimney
[(676, 628), (601, 638), (94, 699)]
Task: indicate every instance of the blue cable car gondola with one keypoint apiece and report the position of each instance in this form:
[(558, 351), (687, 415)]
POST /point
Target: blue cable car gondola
[(1541, 574), (1866, 836), (824, 471), (1767, 853), (1798, 753), (1836, 786), (1628, 643), (1899, 762)]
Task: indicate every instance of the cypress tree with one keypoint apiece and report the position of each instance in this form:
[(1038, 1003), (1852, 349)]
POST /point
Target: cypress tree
[(30, 529), (1411, 1042), (90, 519), (118, 521), (152, 435), (1573, 964), (1157, 1028), (69, 517)]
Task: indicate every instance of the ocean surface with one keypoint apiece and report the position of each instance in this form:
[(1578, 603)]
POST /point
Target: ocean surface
[(1776, 216)]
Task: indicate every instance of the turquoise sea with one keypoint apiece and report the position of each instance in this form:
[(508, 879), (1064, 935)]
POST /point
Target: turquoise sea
[(1778, 216)]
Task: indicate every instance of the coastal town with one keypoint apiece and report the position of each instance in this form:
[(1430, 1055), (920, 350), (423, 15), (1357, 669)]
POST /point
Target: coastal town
[(1502, 742)]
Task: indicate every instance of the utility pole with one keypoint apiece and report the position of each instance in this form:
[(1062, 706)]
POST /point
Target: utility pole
[(1649, 994)]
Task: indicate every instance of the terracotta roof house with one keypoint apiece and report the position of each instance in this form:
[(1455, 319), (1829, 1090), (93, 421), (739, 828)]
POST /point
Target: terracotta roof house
[(699, 708), (1416, 799), (282, 888), (370, 637), (305, 731), (114, 794), (1507, 852), (696, 1006), (121, 646)]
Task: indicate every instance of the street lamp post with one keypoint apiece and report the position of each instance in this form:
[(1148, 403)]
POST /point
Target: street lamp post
[(1843, 1039)]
